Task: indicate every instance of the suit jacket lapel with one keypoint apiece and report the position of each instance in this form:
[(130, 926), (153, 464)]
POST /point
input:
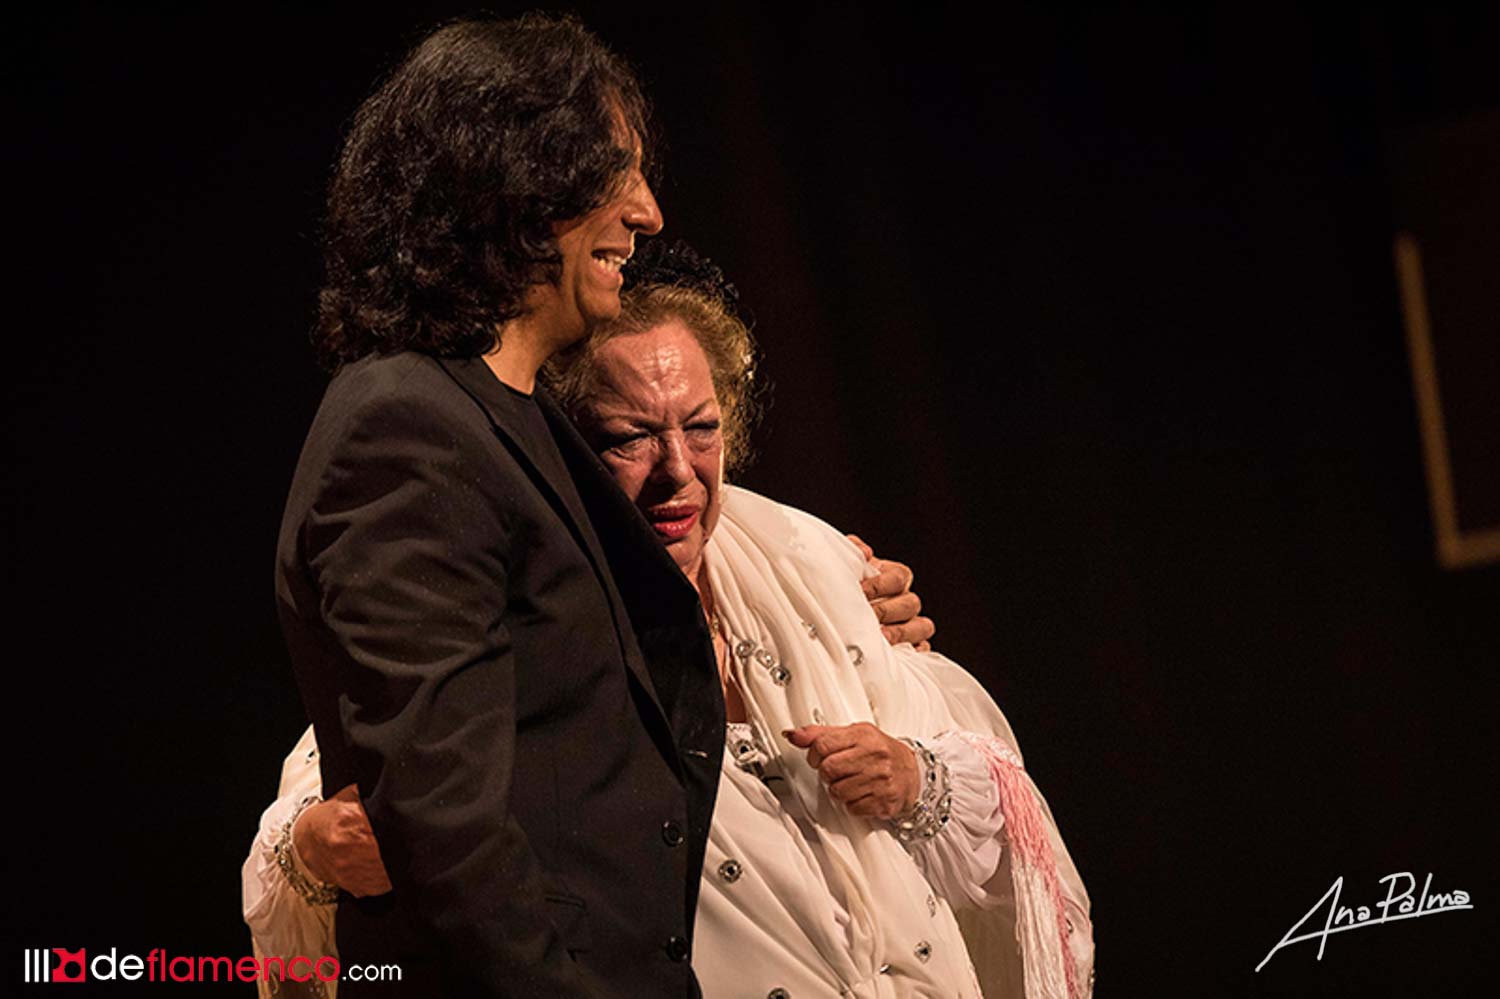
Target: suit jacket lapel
[(502, 410), (480, 383)]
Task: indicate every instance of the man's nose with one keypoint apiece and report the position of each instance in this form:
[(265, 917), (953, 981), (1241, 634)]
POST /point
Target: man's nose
[(642, 213)]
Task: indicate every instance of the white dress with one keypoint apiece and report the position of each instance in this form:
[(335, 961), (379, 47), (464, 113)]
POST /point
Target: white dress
[(799, 897)]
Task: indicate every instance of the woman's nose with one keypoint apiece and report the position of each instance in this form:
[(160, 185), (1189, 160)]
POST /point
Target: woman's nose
[(672, 463)]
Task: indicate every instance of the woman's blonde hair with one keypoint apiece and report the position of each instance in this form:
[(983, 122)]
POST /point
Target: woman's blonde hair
[(724, 337)]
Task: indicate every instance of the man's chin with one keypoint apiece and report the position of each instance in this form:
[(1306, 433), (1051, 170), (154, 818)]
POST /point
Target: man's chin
[(606, 314)]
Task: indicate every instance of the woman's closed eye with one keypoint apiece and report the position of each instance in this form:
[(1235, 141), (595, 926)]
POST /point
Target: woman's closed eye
[(626, 443), (703, 433)]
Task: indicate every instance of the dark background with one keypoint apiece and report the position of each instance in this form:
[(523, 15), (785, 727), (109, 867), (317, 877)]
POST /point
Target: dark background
[(1088, 315)]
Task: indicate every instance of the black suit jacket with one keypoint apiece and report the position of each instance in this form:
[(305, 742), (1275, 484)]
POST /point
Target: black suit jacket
[(540, 779)]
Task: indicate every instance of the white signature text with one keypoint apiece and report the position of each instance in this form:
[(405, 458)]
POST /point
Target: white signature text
[(1398, 904)]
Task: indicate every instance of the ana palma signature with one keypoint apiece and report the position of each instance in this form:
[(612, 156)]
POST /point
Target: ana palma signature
[(1342, 917)]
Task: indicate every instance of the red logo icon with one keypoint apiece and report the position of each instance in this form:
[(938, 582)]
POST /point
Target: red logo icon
[(67, 958)]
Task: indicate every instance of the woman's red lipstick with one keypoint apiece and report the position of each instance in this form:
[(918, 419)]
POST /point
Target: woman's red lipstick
[(672, 522)]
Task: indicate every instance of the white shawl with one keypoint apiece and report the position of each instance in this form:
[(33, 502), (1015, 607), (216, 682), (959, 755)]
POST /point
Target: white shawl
[(786, 586)]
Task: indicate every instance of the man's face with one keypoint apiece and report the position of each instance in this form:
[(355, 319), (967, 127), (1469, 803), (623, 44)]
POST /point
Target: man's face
[(654, 418), (593, 250)]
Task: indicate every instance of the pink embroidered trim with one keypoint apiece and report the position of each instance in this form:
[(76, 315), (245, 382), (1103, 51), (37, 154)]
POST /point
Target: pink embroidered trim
[(1027, 833)]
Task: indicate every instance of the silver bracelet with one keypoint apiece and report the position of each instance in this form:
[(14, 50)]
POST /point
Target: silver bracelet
[(926, 818), (312, 892)]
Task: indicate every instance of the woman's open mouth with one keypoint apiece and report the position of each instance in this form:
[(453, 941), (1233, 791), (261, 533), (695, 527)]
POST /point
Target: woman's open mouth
[(673, 523)]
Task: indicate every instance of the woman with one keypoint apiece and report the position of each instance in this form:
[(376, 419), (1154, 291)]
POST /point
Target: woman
[(868, 792)]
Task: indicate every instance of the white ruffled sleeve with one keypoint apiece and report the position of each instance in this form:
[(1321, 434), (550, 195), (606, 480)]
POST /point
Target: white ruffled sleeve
[(965, 854), (1003, 867), (281, 921)]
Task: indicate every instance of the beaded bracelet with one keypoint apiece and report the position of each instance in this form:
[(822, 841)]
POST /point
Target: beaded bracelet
[(312, 892), (926, 818)]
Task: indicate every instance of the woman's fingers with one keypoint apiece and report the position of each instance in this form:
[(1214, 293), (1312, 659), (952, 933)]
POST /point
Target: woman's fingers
[(866, 769)]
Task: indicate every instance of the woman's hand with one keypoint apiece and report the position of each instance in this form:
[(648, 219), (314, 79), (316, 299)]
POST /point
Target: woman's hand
[(896, 607), (872, 774), (334, 841)]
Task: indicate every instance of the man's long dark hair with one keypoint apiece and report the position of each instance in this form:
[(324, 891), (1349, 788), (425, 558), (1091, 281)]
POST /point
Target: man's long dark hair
[(441, 208)]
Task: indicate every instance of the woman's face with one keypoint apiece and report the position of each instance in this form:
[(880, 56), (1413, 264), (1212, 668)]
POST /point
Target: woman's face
[(654, 420)]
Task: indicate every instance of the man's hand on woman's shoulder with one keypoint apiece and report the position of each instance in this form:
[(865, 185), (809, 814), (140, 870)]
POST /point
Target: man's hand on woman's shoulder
[(896, 606)]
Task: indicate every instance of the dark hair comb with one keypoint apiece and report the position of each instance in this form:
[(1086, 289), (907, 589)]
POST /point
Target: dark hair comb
[(676, 263)]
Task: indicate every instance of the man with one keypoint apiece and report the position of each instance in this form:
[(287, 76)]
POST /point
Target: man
[(461, 645), (494, 648)]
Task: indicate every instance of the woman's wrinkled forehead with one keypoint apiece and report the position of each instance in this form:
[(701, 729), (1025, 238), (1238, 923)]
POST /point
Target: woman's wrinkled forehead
[(658, 372)]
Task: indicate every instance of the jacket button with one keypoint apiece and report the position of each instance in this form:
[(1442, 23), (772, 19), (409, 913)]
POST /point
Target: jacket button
[(677, 949), (671, 834)]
